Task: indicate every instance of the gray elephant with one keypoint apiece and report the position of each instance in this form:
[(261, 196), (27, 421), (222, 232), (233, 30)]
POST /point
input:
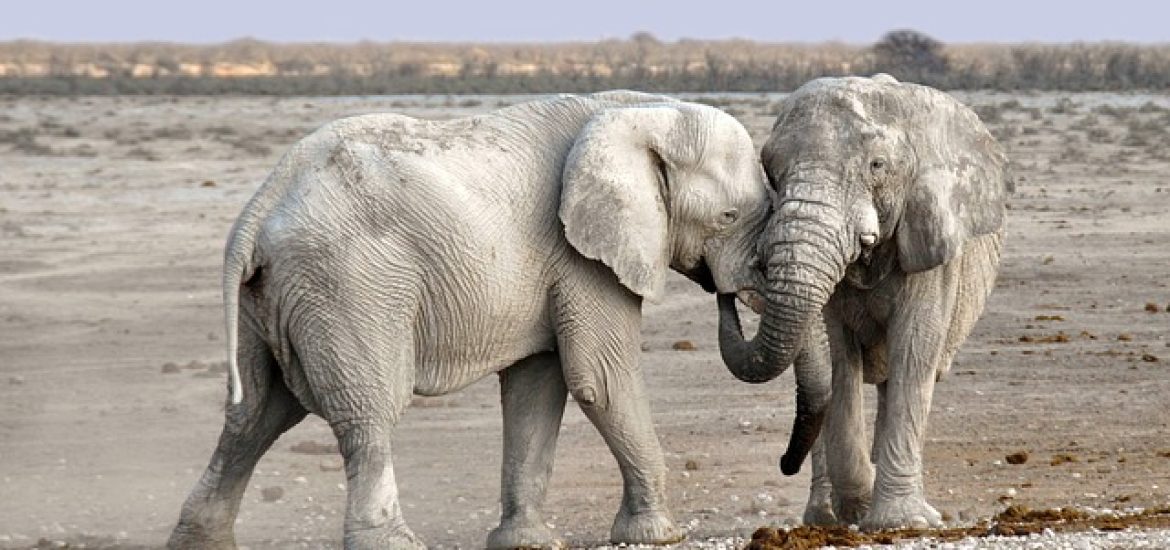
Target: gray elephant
[(387, 256), (889, 222)]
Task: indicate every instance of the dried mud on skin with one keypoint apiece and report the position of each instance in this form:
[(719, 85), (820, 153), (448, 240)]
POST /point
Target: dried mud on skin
[(1016, 520)]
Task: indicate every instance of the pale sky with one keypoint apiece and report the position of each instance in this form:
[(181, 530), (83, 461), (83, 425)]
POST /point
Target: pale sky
[(576, 20)]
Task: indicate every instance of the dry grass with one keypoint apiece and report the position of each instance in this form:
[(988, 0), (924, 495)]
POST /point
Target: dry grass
[(641, 62)]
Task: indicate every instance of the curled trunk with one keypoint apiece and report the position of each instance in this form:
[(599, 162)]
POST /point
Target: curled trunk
[(804, 265)]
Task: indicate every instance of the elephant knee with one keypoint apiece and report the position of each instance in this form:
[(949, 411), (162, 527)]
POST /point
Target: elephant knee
[(585, 395)]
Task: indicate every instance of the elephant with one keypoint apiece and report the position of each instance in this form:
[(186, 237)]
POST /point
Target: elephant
[(387, 256), (885, 238)]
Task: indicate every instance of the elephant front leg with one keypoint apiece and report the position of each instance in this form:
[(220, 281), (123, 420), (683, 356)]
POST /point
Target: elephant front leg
[(624, 423), (847, 454), (599, 341), (533, 395), (899, 499)]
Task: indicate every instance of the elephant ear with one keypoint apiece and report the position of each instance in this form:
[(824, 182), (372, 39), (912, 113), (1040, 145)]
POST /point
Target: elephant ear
[(961, 188), (613, 195)]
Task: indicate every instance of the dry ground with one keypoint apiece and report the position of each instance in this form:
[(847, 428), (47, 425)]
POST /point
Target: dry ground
[(112, 218)]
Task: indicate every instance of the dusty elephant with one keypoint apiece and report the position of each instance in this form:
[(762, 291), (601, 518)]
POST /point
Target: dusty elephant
[(387, 256), (888, 221)]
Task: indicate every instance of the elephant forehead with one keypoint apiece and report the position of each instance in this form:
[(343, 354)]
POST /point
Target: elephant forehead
[(851, 103)]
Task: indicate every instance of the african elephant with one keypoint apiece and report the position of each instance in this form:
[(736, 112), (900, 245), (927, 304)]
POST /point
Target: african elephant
[(888, 221), (387, 256)]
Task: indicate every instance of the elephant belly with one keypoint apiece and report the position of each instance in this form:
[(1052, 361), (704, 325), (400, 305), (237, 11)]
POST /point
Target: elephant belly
[(458, 345)]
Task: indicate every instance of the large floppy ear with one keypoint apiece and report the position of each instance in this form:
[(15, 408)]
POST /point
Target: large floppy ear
[(613, 199), (961, 186)]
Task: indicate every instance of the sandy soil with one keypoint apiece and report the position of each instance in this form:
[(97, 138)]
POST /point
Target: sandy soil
[(112, 218)]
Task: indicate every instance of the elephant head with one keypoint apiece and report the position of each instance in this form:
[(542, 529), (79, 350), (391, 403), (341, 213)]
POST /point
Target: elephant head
[(870, 175), (669, 184)]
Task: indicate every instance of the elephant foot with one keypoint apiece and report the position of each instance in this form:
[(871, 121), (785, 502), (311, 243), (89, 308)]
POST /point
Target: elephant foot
[(850, 509), (397, 538), (192, 537), (909, 511), (819, 513), (645, 528), (819, 509), (521, 534)]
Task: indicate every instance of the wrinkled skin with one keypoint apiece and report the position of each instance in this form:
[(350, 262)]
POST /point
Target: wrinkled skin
[(387, 256), (888, 223)]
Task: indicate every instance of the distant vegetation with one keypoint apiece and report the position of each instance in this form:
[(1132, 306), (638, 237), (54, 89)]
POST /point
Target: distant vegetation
[(642, 62)]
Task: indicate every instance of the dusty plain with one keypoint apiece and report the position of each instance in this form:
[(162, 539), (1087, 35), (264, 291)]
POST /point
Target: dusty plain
[(113, 213)]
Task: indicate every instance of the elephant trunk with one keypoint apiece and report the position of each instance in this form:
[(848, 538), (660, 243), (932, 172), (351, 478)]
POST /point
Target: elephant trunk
[(813, 383), (803, 266), (806, 258)]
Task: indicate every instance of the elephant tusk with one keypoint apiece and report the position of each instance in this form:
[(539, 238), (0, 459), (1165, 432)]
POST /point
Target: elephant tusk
[(753, 300)]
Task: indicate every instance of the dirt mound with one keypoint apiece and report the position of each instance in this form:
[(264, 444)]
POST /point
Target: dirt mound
[(1015, 520)]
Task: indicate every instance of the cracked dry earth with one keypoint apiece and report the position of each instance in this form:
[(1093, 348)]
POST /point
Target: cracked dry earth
[(112, 218)]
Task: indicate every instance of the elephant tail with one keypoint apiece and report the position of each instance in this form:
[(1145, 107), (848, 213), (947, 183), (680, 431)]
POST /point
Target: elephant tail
[(239, 266)]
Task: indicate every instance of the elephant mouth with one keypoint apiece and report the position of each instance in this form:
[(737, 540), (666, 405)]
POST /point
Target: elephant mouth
[(701, 274)]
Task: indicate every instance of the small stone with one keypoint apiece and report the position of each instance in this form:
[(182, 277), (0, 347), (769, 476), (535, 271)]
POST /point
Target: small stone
[(207, 183), (170, 368), (271, 494), (1017, 458), (314, 448), (331, 465), (683, 345), (1152, 307), (691, 465), (1149, 358)]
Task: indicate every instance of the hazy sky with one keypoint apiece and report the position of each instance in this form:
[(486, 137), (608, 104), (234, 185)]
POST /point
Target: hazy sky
[(548, 20)]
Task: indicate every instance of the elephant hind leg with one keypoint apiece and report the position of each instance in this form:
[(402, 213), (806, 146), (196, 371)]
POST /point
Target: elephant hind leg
[(819, 509), (361, 370), (250, 428), (533, 393)]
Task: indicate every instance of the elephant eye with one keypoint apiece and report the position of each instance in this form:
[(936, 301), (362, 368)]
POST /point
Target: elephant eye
[(728, 217), (877, 165)]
